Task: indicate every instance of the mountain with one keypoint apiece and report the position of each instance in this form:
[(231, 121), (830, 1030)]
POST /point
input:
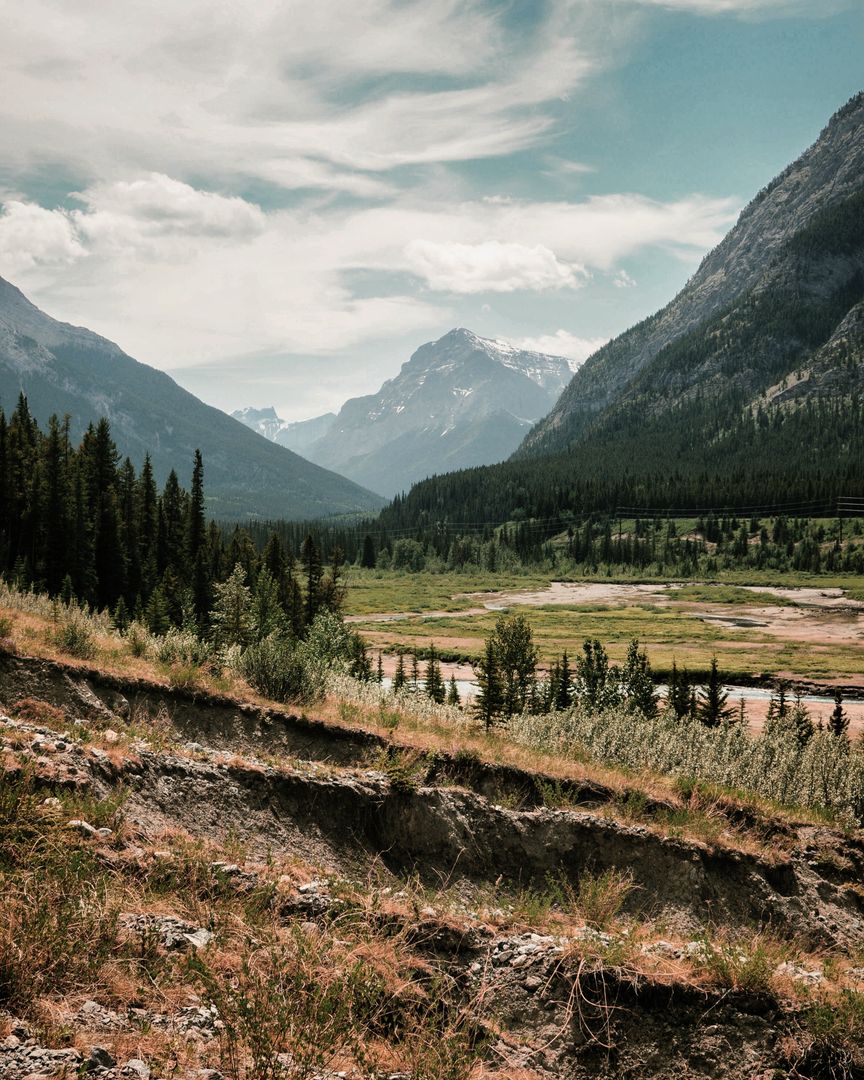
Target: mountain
[(772, 304), (297, 435), (67, 369), (746, 389), (460, 401)]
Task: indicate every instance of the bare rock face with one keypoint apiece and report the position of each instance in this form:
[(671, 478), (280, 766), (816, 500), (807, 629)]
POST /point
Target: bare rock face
[(791, 243), (459, 401)]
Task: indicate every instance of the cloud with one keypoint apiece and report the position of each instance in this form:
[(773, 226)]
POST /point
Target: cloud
[(754, 8), (31, 236), (183, 276), (491, 266), (622, 280), (322, 95), (561, 343)]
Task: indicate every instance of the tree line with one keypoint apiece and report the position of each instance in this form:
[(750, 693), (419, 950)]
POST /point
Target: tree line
[(79, 523)]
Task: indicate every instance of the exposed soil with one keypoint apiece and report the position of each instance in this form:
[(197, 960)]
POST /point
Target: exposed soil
[(553, 1006)]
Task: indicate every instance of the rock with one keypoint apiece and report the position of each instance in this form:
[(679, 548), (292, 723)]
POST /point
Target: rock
[(52, 803), (208, 1074), (171, 932), (104, 833), (98, 1058), (136, 1067), (800, 974), (110, 735), (11, 1042), (83, 827)]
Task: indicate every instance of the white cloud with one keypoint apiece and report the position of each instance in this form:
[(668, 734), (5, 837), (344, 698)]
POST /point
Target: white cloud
[(181, 276), (491, 266), (622, 280), (561, 343), (321, 94), (754, 8), (31, 236)]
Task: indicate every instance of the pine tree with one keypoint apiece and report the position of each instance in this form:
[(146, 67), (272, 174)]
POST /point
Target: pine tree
[(368, 558), (267, 615), (310, 557), (399, 679), (196, 544), (712, 707), (638, 684), (516, 657), (231, 618), (839, 723), (433, 682), (453, 693), (564, 692), (379, 670), (489, 702)]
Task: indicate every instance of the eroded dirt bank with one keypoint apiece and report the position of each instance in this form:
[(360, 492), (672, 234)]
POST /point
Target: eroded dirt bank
[(278, 787)]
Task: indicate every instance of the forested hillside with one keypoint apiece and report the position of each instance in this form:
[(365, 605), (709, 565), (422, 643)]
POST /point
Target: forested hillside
[(746, 390), (67, 369)]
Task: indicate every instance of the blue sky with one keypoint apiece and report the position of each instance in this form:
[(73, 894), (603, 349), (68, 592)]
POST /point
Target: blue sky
[(277, 203)]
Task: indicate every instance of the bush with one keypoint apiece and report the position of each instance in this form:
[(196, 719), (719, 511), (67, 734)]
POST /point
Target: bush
[(280, 670), (74, 636), (183, 648), (822, 773), (139, 639)]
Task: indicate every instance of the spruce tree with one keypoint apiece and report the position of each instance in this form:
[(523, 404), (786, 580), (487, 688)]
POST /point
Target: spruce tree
[(310, 558), (712, 707), (399, 675), (564, 693), (453, 693), (232, 618), (433, 682), (489, 702), (839, 723)]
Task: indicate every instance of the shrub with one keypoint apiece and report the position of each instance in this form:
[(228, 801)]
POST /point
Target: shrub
[(182, 647), (139, 639), (74, 635), (282, 671)]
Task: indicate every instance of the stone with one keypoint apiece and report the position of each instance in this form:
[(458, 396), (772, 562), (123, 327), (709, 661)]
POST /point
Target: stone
[(98, 1058), (83, 827), (110, 735), (136, 1067)]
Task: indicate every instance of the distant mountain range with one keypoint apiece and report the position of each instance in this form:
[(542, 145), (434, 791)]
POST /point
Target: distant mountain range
[(298, 435), (748, 387), (67, 369), (458, 402)]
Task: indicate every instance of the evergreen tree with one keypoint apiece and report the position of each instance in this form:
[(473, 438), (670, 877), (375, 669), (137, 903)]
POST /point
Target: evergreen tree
[(399, 675), (379, 670), (516, 657), (232, 619), (564, 691), (368, 558), (415, 672), (453, 693), (433, 682), (637, 681), (196, 544), (267, 615), (712, 707), (489, 701), (310, 557), (839, 723)]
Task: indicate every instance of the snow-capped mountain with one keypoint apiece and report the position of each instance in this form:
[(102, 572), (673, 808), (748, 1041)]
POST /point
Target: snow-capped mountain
[(296, 435), (460, 401)]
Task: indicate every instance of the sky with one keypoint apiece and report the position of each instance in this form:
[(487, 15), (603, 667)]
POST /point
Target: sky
[(278, 202)]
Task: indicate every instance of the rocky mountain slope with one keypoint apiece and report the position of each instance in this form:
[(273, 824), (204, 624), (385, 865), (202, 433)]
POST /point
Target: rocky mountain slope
[(460, 401), (68, 369), (298, 435), (776, 305)]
